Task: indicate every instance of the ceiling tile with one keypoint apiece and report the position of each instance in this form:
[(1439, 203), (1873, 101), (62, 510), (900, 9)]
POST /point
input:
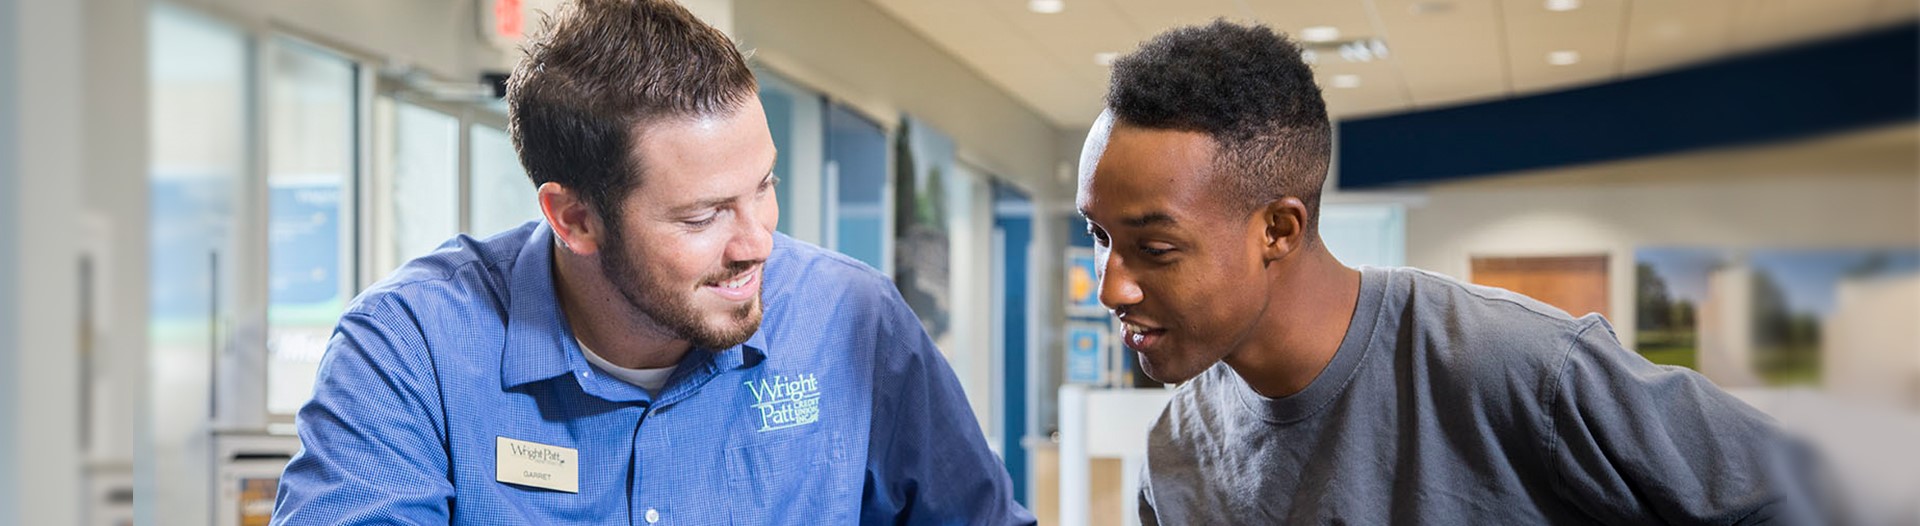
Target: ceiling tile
[(1895, 12), (1155, 16), (1760, 24), (1593, 31), (1662, 34), (1380, 89), (1447, 55)]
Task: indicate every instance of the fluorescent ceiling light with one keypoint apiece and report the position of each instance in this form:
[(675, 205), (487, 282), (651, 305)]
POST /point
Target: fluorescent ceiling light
[(1563, 5), (1046, 7), (1563, 58), (1105, 58), (1346, 81), (1320, 34)]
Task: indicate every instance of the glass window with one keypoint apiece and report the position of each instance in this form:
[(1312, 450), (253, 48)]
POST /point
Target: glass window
[(199, 133), (503, 197), (857, 184), (1365, 234), (311, 112), (794, 118), (198, 160), (416, 191)]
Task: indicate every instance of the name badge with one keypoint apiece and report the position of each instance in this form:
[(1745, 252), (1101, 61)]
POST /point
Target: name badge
[(537, 465)]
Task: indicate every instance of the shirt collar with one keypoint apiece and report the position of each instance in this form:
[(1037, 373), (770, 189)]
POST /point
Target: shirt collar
[(538, 338), (541, 346)]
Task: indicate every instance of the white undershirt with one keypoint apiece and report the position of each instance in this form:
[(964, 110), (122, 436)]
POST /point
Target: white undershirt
[(650, 379)]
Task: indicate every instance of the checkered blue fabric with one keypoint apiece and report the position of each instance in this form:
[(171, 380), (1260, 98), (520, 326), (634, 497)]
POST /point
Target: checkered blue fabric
[(840, 410)]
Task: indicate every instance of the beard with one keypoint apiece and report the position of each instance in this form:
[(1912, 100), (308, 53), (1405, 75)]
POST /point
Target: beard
[(671, 306)]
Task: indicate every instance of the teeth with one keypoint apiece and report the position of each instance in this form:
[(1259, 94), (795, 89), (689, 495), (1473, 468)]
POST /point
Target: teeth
[(737, 282), (1136, 329)]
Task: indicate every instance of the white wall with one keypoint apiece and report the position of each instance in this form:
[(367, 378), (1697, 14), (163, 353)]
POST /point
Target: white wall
[(860, 56), (1782, 197), (9, 289), (37, 353)]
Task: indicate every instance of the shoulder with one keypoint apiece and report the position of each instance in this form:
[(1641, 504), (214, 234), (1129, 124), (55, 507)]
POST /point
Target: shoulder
[(1494, 349), (460, 286), (806, 278), (1486, 327)]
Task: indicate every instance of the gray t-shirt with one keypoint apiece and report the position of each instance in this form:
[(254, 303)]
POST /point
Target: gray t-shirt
[(1452, 403)]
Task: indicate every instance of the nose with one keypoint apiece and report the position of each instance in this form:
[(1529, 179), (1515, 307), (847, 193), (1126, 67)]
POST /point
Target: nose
[(753, 232), (1117, 287)]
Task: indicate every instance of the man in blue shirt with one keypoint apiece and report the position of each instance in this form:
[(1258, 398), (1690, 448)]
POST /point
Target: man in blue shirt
[(651, 351)]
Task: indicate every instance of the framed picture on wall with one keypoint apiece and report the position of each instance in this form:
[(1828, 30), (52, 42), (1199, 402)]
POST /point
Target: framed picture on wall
[(1671, 286), (1087, 344), (1083, 284)]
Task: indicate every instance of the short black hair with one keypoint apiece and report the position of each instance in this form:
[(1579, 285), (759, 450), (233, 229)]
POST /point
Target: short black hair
[(602, 68), (1248, 88)]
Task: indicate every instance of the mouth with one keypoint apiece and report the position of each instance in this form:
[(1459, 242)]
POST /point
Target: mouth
[(1141, 337), (741, 287)]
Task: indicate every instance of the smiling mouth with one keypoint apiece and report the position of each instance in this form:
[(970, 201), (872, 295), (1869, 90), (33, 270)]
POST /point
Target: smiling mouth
[(737, 282), (741, 287), (1141, 337)]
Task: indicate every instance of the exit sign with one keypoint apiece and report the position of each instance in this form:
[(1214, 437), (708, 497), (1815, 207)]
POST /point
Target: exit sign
[(506, 23)]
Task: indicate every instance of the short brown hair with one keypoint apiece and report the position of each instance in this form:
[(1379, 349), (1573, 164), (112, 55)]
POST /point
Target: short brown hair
[(602, 68)]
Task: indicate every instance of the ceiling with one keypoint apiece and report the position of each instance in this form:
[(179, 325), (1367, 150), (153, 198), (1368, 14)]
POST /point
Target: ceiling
[(1441, 52)]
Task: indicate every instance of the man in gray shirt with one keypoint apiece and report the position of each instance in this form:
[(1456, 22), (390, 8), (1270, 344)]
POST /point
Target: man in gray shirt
[(1319, 393)]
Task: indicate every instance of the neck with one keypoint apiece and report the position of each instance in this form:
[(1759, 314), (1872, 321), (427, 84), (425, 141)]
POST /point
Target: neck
[(1310, 302), (605, 321)]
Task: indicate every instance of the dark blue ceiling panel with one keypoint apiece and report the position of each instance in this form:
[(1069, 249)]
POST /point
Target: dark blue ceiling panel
[(1835, 85)]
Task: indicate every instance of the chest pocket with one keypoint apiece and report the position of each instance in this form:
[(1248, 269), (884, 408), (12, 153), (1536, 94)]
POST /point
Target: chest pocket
[(807, 478)]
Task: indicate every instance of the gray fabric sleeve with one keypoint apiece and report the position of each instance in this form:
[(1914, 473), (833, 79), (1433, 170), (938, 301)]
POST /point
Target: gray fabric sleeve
[(1147, 515), (1631, 442)]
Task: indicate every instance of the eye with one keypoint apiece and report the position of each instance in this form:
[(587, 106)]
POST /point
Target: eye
[(704, 221), (1099, 236), (771, 182), (1156, 249)]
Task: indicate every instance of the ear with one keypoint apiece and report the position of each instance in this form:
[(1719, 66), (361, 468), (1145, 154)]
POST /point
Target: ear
[(1283, 227), (575, 223)]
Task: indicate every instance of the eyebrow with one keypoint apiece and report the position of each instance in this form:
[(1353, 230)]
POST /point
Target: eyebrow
[(717, 201), (1149, 219)]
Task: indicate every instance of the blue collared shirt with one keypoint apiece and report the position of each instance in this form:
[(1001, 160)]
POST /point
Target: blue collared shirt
[(839, 410)]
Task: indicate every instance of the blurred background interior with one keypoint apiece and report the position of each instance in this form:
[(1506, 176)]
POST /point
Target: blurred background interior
[(193, 189)]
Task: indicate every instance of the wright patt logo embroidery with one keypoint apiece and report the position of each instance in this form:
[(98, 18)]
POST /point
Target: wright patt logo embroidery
[(786, 401)]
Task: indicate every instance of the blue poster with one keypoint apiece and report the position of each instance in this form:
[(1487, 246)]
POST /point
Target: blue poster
[(1086, 346), (304, 240), (1083, 284)]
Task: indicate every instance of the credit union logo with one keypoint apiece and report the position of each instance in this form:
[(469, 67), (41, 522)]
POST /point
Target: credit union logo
[(786, 401)]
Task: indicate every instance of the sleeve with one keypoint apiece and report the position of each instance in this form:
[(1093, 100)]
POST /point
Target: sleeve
[(1148, 517), (927, 461), (372, 449), (1631, 442)]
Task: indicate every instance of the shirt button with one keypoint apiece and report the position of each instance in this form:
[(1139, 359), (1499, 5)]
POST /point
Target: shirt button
[(653, 515)]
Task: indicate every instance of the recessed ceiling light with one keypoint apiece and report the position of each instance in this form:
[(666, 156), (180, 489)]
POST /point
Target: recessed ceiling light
[(1431, 8), (1320, 34), (1563, 58), (1105, 58), (1346, 81), (1378, 47), (1563, 5), (1046, 7)]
